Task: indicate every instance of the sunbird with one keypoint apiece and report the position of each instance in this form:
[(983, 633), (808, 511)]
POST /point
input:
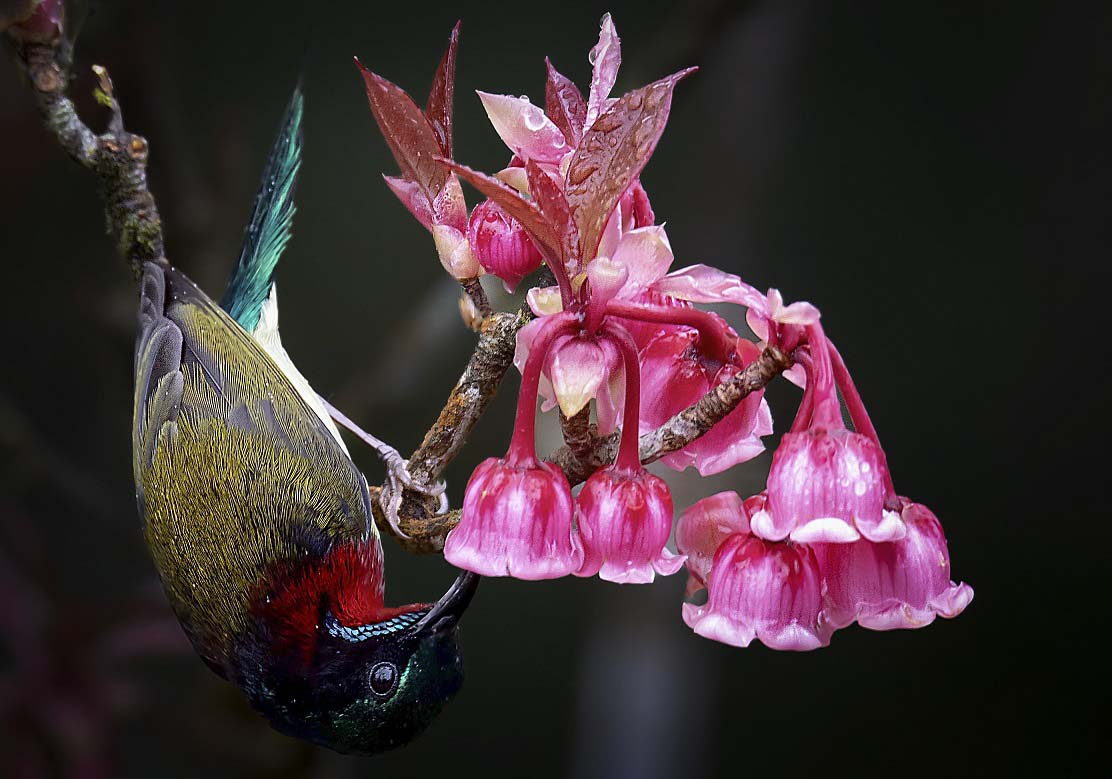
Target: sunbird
[(258, 521)]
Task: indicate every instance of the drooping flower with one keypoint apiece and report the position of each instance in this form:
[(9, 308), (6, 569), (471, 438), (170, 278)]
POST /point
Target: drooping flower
[(517, 511), (625, 512), (768, 590), (897, 584), (827, 484), (517, 521)]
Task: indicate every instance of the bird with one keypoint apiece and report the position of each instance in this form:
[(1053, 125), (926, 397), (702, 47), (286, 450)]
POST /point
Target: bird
[(258, 521)]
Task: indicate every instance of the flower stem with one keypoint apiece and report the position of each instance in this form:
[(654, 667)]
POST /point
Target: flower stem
[(856, 407), (807, 402), (523, 446), (826, 411), (710, 328), (628, 458)]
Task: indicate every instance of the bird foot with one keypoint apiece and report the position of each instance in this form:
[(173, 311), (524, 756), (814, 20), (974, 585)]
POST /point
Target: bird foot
[(398, 477)]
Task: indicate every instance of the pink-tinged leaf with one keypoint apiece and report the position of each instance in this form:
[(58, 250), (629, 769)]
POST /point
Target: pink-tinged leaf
[(524, 128), (552, 203), (408, 133), (439, 107), (612, 155), (412, 198), (564, 104), (605, 58), (511, 201)]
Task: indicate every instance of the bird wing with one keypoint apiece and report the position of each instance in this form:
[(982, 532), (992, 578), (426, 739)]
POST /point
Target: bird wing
[(207, 393)]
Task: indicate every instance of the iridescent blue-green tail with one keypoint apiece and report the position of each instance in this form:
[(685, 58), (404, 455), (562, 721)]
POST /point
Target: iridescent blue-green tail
[(271, 223)]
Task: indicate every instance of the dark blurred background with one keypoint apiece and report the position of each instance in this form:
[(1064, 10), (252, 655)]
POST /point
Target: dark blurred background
[(936, 178)]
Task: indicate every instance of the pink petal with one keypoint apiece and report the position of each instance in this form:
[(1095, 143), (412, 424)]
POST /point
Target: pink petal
[(704, 284), (413, 198), (525, 129), (577, 366), (705, 525), (544, 301), (647, 253)]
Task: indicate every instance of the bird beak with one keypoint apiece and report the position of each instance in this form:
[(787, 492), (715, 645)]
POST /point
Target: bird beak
[(447, 611)]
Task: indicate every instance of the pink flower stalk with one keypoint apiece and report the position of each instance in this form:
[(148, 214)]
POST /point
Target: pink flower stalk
[(899, 584), (417, 139), (518, 511), (768, 590), (827, 484), (624, 512), (501, 245)]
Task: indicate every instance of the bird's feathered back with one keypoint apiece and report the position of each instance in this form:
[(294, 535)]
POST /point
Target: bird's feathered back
[(271, 223)]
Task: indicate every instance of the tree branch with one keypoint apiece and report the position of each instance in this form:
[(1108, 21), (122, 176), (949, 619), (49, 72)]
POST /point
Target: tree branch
[(684, 427), (119, 158)]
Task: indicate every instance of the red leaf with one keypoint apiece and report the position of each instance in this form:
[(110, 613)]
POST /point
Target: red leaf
[(564, 104), (511, 201), (554, 206), (408, 133), (439, 107), (612, 155)]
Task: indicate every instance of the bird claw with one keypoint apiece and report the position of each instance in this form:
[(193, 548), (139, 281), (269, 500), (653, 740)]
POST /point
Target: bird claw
[(398, 477)]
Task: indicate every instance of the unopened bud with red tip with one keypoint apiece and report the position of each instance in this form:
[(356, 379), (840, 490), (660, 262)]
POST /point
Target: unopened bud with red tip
[(500, 244)]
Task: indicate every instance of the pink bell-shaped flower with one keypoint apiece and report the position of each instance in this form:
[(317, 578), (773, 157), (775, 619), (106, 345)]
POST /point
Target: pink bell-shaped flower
[(517, 521), (624, 521), (517, 511), (768, 590), (899, 584), (625, 512), (501, 244), (827, 484)]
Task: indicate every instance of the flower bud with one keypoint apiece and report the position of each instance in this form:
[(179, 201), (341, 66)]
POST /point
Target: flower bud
[(454, 251), (500, 244), (624, 522)]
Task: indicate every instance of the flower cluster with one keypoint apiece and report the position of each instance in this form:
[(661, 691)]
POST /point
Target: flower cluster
[(826, 544)]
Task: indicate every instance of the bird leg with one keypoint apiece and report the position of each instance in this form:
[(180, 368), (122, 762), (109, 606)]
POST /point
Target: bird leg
[(398, 477)]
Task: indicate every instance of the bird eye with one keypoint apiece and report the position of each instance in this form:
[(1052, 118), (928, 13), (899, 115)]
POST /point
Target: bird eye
[(383, 678)]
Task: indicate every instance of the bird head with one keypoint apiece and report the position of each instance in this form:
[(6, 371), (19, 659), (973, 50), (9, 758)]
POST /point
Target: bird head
[(356, 684)]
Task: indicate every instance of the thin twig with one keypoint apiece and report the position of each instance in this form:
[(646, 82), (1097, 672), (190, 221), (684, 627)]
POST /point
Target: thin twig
[(119, 158), (685, 427)]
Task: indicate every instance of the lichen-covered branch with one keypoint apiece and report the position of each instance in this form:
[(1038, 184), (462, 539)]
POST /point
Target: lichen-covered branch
[(428, 530), (119, 158), (684, 427)]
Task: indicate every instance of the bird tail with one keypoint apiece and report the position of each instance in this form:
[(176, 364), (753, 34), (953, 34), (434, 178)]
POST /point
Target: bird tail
[(271, 223)]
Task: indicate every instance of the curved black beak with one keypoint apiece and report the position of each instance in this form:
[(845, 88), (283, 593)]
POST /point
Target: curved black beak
[(446, 612)]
